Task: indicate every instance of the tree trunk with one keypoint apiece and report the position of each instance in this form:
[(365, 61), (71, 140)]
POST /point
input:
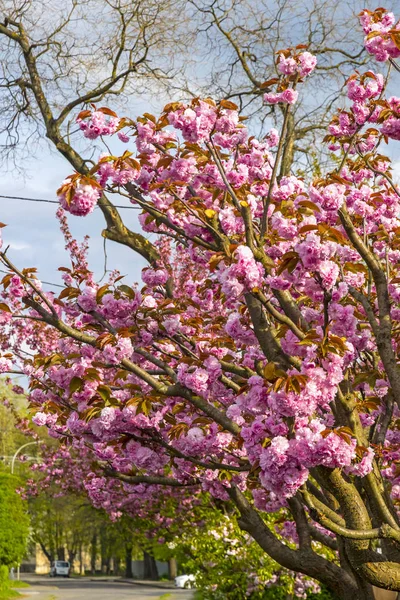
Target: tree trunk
[(128, 561), (172, 568), (81, 570), (288, 149), (337, 580), (71, 556), (117, 566), (103, 552), (150, 567), (93, 554), (104, 565), (48, 553)]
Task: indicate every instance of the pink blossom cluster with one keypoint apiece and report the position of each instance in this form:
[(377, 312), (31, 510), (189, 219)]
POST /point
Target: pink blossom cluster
[(288, 96), (303, 64), (381, 28), (285, 463), (391, 127), (99, 123), (292, 66), (83, 201)]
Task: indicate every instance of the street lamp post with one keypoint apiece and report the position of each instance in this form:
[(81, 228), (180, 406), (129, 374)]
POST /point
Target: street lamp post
[(17, 452), (12, 473)]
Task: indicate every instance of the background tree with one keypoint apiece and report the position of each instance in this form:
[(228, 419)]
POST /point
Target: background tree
[(13, 409), (241, 36), (56, 60), (14, 522)]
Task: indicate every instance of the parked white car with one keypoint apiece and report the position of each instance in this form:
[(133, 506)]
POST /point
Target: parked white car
[(185, 581), (60, 568)]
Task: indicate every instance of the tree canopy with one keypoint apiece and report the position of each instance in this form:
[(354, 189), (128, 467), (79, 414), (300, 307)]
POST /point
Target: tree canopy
[(257, 361), (14, 522)]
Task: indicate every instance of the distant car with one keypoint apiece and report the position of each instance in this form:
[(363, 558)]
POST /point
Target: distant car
[(185, 581), (60, 568)]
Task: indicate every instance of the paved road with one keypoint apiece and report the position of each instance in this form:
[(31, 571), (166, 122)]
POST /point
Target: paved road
[(83, 589)]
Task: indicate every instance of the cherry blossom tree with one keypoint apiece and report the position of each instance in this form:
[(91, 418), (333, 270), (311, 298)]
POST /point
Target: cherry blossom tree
[(258, 359)]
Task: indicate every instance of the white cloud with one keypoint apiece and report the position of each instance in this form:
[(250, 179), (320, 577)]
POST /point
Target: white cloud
[(17, 246)]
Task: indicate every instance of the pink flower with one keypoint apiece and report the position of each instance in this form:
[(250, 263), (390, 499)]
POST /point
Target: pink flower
[(330, 197), (98, 124), (272, 138), (16, 288), (281, 473), (391, 128), (123, 137), (311, 251), (87, 300), (334, 451), (40, 419), (107, 417), (360, 112), (227, 122), (307, 62), (197, 381), (370, 23), (289, 96), (247, 267), (329, 272), (363, 467), (172, 324), (378, 40), (231, 223), (360, 93), (196, 122), (83, 201), (114, 354), (288, 66), (304, 65), (154, 277)]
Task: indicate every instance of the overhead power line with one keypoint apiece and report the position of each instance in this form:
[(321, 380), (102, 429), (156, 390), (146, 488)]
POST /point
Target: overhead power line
[(30, 199), (26, 199), (46, 282)]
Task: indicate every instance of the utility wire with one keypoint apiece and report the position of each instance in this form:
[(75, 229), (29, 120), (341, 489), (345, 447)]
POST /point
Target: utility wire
[(41, 280), (55, 201), (51, 202), (30, 199)]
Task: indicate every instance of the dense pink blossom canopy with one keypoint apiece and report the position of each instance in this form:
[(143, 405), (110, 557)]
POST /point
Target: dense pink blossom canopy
[(262, 342)]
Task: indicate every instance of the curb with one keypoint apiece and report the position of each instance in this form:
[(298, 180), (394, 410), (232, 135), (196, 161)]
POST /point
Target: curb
[(153, 584)]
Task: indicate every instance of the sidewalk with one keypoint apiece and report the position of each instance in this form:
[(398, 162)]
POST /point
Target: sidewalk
[(163, 585)]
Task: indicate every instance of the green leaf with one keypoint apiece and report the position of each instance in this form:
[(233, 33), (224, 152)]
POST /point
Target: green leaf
[(128, 291), (104, 392), (75, 385)]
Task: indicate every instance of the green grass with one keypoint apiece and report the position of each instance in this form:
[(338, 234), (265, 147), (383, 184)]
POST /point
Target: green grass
[(7, 594), (7, 591), (165, 597)]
